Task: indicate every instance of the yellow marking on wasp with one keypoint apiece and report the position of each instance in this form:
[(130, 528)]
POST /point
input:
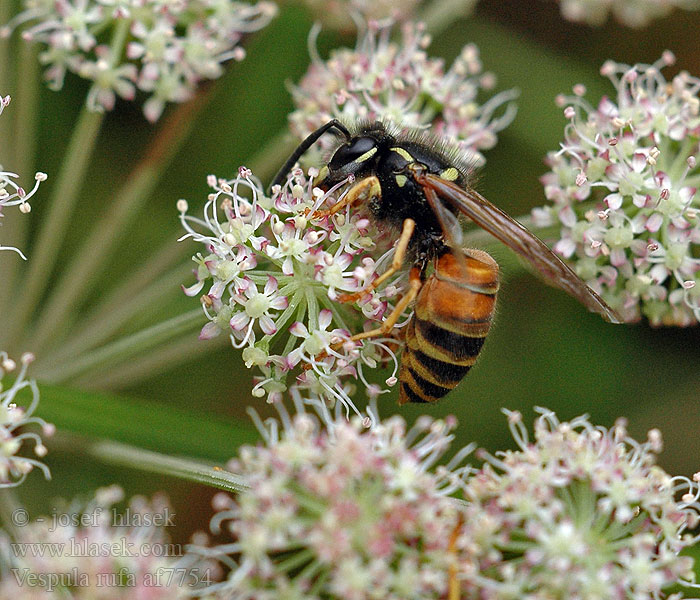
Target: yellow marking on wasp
[(403, 154), (367, 155), (323, 173), (450, 173), (401, 180)]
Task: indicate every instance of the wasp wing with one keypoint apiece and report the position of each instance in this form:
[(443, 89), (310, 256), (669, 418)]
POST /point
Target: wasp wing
[(516, 236), (448, 223)]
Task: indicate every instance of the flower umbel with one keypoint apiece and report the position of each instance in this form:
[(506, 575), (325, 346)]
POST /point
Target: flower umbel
[(397, 81), (162, 48), (271, 270), (15, 414), (340, 511), (579, 512), (623, 188)]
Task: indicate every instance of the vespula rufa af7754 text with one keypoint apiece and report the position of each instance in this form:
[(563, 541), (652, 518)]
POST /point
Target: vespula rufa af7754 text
[(417, 186)]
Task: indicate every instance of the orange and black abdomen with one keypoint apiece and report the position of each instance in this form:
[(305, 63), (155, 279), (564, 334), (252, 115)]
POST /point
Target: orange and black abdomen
[(452, 316)]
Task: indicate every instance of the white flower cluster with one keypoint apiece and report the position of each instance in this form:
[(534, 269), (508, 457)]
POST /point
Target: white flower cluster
[(397, 81), (17, 405), (341, 512), (272, 269), (579, 512), (623, 191), (163, 48)]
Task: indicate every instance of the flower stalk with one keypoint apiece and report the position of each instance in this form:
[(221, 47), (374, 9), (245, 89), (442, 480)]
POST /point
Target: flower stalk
[(123, 455), (80, 276), (439, 15), (144, 292), (53, 226), (124, 348)]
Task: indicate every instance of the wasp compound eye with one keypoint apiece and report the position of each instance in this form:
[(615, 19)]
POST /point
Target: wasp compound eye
[(351, 156)]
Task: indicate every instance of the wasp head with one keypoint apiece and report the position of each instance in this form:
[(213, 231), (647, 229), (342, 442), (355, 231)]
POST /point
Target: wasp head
[(356, 156)]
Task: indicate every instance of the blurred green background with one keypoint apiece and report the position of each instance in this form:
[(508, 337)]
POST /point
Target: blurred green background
[(544, 349)]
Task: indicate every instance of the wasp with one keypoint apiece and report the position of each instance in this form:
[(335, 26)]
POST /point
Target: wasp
[(418, 186)]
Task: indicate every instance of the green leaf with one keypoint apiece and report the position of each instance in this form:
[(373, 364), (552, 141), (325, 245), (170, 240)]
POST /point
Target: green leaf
[(144, 423)]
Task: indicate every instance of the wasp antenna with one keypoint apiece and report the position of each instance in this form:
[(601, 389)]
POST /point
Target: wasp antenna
[(304, 146)]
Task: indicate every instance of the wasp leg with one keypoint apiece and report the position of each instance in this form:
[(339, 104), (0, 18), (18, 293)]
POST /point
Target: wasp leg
[(409, 226), (361, 192), (415, 283)]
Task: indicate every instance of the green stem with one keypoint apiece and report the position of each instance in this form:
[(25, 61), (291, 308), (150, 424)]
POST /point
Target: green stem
[(70, 179), (160, 359), (26, 121), (440, 14), (54, 224), (679, 166), (118, 43), (101, 326), (7, 74), (118, 308), (9, 504), (187, 469), (79, 279), (296, 560), (128, 298), (312, 307), (157, 426), (127, 347), (23, 115)]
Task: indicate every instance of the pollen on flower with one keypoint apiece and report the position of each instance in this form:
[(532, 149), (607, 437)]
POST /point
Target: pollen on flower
[(18, 402), (269, 277), (578, 512), (623, 189), (398, 81), (162, 48), (336, 510)]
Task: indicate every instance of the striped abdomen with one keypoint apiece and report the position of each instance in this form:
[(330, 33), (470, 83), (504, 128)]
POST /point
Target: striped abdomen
[(452, 316)]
